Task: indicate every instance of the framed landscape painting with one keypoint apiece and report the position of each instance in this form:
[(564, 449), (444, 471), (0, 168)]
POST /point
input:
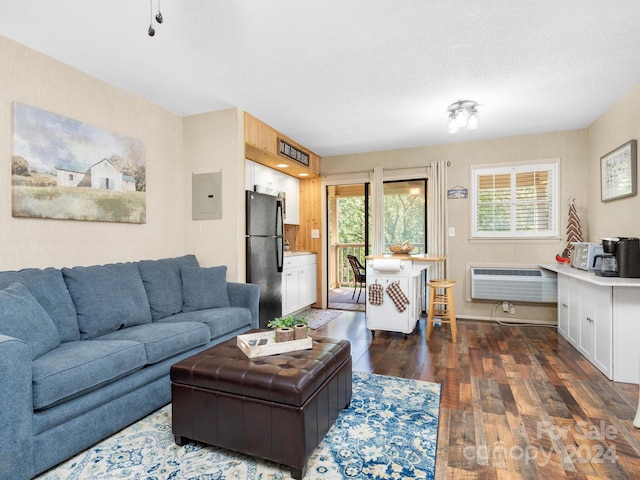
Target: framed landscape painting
[(65, 169)]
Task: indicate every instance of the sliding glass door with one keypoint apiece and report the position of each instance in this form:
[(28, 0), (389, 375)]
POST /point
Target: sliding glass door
[(350, 230)]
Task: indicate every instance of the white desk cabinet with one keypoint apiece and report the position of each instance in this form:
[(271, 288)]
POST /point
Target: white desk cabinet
[(573, 297), (563, 306), (599, 316), (595, 325)]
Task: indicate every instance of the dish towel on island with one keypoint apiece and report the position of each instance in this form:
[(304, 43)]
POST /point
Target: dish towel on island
[(375, 294), (398, 296)]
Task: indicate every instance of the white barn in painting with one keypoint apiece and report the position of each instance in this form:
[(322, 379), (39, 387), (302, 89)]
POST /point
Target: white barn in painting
[(102, 175)]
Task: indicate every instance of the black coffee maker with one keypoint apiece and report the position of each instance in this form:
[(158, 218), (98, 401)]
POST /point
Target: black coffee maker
[(628, 257), (621, 257)]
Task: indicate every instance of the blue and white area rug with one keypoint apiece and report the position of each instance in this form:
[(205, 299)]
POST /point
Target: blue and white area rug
[(389, 431)]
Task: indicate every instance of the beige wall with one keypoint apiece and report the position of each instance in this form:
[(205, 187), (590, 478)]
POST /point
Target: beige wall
[(615, 127), (214, 142), (177, 147), (35, 79), (569, 147)]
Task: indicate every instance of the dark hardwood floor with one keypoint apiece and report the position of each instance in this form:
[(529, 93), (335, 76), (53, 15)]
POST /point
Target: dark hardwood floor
[(516, 402)]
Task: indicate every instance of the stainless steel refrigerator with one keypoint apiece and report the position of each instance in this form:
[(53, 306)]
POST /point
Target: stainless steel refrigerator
[(265, 251)]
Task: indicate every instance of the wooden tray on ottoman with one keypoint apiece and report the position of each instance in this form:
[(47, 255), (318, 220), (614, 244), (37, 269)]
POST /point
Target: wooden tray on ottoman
[(272, 347)]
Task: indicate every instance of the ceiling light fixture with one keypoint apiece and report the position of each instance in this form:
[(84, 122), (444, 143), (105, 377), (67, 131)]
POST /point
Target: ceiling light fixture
[(463, 114), (158, 18)]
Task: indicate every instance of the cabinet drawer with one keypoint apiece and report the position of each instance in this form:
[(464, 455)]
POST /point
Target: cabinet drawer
[(294, 261)]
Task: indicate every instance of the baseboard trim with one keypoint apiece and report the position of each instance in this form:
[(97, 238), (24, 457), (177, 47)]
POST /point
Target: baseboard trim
[(507, 320)]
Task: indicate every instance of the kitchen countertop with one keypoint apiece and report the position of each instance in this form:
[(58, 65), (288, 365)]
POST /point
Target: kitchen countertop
[(570, 271), (420, 257), (293, 254)]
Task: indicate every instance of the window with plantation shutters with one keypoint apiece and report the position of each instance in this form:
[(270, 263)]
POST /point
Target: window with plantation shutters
[(515, 201)]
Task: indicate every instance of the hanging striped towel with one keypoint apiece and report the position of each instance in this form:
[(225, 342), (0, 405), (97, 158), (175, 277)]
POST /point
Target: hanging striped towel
[(398, 296), (375, 294)]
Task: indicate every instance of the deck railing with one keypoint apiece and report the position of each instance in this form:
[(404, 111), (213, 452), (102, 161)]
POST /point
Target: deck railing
[(342, 273)]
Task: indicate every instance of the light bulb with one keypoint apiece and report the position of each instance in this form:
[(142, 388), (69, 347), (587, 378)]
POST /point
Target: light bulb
[(472, 123), (453, 126), (461, 117)]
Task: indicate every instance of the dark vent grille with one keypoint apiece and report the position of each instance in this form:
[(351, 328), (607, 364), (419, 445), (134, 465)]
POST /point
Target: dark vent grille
[(508, 273)]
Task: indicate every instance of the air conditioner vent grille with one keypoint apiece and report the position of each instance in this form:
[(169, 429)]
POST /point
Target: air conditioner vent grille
[(508, 272), (529, 285)]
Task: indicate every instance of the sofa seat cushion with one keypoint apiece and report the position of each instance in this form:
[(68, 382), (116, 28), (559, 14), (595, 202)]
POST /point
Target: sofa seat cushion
[(48, 287), (204, 288), (76, 368), (163, 340), (220, 321), (163, 283), (22, 317), (107, 297)]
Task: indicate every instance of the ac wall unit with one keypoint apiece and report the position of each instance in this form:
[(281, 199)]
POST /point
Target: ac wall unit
[(528, 285)]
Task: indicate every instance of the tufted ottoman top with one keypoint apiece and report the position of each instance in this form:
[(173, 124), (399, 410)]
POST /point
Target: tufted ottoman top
[(288, 378)]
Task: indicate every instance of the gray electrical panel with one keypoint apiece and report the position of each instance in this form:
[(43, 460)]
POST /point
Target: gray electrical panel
[(206, 200)]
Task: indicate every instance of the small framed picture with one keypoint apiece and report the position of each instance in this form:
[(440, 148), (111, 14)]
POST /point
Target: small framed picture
[(619, 172)]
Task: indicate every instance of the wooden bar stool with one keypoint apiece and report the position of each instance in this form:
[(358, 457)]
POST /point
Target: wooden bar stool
[(441, 305)]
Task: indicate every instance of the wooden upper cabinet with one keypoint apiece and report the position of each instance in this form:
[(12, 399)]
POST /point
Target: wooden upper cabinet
[(260, 135), (262, 146)]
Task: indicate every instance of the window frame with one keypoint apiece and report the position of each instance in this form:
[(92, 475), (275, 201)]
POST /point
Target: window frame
[(513, 168)]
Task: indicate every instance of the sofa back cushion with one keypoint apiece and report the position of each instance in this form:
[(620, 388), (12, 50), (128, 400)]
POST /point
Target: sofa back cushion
[(163, 284), (22, 317), (204, 288), (49, 289), (107, 297)]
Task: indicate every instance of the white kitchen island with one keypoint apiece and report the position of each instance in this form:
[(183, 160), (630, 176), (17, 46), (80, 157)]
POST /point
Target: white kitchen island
[(405, 272), (600, 317)]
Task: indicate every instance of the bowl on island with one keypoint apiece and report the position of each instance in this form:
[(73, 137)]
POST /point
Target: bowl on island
[(404, 248)]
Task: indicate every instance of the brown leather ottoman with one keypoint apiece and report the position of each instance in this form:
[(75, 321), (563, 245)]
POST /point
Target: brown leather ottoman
[(278, 407)]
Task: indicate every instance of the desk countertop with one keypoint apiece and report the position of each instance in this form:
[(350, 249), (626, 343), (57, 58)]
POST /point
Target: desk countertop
[(591, 277), (296, 253)]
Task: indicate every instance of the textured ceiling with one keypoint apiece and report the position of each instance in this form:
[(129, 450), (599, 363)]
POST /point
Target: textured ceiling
[(345, 76)]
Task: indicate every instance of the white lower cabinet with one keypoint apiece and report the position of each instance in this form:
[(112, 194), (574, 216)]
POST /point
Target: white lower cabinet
[(290, 290), (573, 297), (595, 328), (563, 305), (298, 282), (307, 285), (585, 319)]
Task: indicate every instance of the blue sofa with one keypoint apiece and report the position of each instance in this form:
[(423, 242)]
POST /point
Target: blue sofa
[(86, 351)]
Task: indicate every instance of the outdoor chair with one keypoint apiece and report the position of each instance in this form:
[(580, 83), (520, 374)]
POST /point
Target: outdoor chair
[(359, 275)]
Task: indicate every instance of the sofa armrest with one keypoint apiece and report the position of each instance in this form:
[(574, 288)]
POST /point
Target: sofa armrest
[(245, 295), (16, 409)]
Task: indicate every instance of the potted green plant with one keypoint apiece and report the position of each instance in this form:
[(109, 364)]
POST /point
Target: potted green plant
[(291, 327)]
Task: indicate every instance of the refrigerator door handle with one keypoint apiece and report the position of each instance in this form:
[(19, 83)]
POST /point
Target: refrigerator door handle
[(279, 235), (279, 218), (280, 252)]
